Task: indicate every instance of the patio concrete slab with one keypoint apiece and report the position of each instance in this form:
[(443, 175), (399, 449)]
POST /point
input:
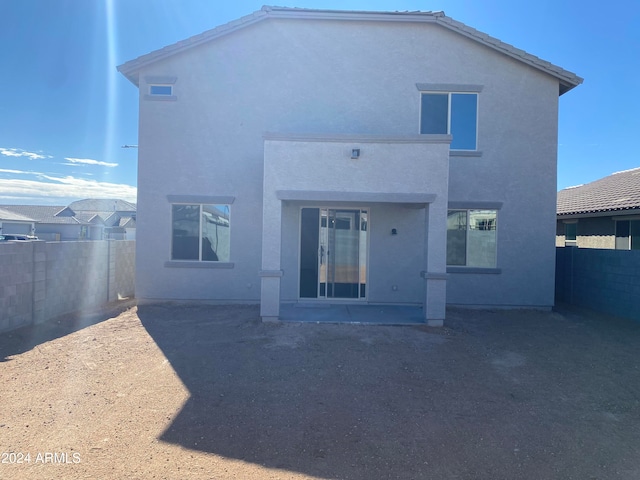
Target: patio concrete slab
[(350, 313)]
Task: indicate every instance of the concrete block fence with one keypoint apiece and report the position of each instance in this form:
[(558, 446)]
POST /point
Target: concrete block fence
[(42, 280), (607, 281)]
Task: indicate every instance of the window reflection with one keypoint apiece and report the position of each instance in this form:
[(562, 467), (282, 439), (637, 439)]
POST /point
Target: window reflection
[(200, 232), (471, 238)]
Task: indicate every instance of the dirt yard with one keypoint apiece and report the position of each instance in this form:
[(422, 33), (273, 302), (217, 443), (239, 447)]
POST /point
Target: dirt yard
[(175, 392)]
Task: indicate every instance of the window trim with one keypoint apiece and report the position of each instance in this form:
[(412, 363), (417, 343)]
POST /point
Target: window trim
[(160, 81), (449, 87), (442, 89)]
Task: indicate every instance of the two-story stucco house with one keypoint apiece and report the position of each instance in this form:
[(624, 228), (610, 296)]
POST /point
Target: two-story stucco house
[(300, 155)]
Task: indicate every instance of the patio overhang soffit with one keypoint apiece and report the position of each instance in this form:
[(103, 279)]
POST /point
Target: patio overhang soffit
[(412, 200)]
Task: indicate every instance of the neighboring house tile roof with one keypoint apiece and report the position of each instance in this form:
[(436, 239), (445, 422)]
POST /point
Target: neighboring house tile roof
[(9, 216), (98, 205), (619, 191), (127, 222), (567, 79), (42, 213), (88, 217), (51, 214)]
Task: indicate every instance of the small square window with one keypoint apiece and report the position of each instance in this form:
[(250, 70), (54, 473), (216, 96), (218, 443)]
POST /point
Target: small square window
[(161, 90)]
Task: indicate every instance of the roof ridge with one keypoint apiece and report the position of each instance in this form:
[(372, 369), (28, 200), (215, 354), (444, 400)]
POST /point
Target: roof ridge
[(626, 171)]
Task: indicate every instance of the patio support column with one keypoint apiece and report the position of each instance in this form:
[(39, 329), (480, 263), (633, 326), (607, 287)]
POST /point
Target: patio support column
[(271, 272), (435, 273)]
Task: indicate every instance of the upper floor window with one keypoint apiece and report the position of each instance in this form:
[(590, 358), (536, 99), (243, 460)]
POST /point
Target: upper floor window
[(200, 232), (451, 113), (166, 90), (471, 238), (160, 87)]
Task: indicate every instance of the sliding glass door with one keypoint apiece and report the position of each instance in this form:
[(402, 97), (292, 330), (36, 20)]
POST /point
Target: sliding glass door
[(333, 253)]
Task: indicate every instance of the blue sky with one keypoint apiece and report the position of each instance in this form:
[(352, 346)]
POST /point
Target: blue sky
[(65, 111)]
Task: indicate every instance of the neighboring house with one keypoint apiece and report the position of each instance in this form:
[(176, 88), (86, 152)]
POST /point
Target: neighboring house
[(12, 222), (300, 155), (59, 223), (601, 214), (119, 216), (78, 221)]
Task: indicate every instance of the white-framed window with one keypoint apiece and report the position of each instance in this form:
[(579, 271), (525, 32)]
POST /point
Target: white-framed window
[(472, 238), (627, 234), (452, 113), (161, 90), (200, 232)]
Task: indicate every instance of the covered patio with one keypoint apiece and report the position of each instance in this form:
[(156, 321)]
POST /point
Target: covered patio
[(362, 176)]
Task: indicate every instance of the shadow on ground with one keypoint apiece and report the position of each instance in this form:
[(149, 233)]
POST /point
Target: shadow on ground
[(492, 395), (24, 339)]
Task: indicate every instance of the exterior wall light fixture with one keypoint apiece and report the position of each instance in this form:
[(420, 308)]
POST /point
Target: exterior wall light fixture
[(355, 153)]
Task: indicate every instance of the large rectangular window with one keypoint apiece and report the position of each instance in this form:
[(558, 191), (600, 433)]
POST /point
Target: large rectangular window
[(200, 232), (471, 238), (451, 113)]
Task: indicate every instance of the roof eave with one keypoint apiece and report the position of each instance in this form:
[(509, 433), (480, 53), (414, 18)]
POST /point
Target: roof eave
[(132, 68), (568, 80), (600, 213)]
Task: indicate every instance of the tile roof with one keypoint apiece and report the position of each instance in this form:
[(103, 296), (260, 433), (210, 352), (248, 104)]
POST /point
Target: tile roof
[(89, 217), (98, 205), (567, 79), (45, 214), (39, 213), (128, 222), (9, 216), (619, 191)]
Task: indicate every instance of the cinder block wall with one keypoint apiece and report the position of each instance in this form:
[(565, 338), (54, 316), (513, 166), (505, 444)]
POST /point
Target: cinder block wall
[(40, 281), (123, 258), (607, 281), (76, 276), (16, 284)]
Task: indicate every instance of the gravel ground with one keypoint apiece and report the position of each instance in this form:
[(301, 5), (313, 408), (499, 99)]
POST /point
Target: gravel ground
[(180, 392)]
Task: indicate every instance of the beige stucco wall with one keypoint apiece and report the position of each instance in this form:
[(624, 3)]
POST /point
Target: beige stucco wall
[(337, 77)]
